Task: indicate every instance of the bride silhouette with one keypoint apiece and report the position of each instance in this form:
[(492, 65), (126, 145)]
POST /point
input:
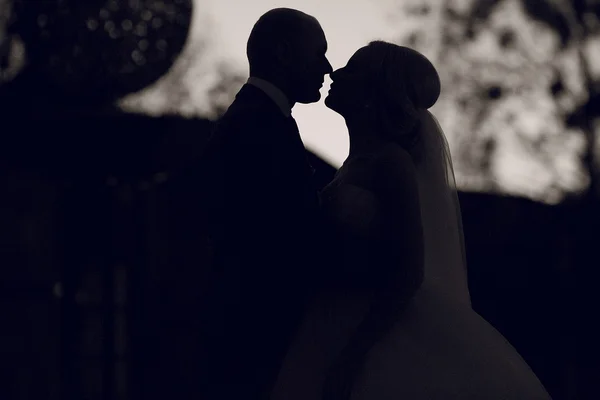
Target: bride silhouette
[(396, 322)]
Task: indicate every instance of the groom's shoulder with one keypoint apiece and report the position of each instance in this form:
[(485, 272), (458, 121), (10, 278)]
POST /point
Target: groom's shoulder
[(242, 116), (243, 128)]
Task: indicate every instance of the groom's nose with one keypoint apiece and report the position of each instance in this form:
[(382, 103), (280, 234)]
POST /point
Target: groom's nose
[(328, 67)]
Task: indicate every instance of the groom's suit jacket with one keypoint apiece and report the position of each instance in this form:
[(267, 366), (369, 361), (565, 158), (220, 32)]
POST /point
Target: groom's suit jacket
[(263, 214)]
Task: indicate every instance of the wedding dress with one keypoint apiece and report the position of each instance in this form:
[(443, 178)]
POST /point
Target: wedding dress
[(439, 348)]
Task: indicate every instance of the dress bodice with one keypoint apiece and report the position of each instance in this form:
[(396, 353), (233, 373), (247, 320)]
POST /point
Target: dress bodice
[(351, 198), (353, 213)]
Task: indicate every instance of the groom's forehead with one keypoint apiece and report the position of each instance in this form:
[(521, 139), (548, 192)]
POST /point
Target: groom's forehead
[(319, 40), (314, 40), (312, 27)]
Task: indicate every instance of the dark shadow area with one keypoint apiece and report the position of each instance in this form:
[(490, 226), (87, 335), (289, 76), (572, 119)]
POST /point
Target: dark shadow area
[(102, 236), (112, 214)]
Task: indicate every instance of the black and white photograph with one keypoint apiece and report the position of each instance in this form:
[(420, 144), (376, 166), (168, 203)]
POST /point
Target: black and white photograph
[(299, 199)]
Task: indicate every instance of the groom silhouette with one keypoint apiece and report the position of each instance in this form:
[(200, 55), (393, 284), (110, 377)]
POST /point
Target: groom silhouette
[(263, 209)]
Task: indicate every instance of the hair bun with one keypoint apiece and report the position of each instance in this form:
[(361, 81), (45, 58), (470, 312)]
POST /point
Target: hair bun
[(422, 77)]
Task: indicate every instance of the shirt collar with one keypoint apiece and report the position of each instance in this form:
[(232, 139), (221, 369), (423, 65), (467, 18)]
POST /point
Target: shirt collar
[(274, 93)]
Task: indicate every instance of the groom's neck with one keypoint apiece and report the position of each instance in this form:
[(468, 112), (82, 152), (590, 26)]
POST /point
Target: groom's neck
[(278, 81)]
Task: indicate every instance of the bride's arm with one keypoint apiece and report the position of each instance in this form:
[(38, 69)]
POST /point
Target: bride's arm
[(401, 265), (403, 250)]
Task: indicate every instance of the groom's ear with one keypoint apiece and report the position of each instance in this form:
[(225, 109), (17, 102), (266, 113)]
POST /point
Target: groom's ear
[(283, 52)]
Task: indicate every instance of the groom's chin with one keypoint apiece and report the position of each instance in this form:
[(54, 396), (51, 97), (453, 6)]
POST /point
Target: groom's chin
[(312, 98)]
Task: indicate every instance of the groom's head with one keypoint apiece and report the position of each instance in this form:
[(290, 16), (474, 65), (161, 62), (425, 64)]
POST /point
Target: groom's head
[(287, 47)]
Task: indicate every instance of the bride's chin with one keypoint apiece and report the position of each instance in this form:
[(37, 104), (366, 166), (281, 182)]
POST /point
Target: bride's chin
[(328, 102)]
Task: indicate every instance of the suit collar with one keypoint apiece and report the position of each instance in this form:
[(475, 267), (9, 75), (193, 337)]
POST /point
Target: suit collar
[(274, 93)]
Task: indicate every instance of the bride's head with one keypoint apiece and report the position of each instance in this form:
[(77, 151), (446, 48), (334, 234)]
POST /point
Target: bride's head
[(384, 88)]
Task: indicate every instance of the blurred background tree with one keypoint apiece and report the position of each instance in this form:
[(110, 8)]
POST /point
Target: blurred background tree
[(98, 50), (517, 74)]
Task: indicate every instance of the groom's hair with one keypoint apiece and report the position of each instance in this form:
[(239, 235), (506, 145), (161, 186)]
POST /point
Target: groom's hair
[(273, 27)]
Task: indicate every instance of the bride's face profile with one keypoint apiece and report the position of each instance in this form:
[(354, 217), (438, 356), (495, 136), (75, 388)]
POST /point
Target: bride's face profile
[(351, 86)]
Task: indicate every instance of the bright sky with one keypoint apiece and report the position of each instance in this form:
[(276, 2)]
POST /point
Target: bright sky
[(348, 25)]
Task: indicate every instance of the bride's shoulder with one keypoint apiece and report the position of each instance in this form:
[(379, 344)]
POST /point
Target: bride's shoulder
[(393, 160), (394, 152)]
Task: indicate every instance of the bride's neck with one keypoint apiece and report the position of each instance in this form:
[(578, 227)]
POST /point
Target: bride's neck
[(363, 139)]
